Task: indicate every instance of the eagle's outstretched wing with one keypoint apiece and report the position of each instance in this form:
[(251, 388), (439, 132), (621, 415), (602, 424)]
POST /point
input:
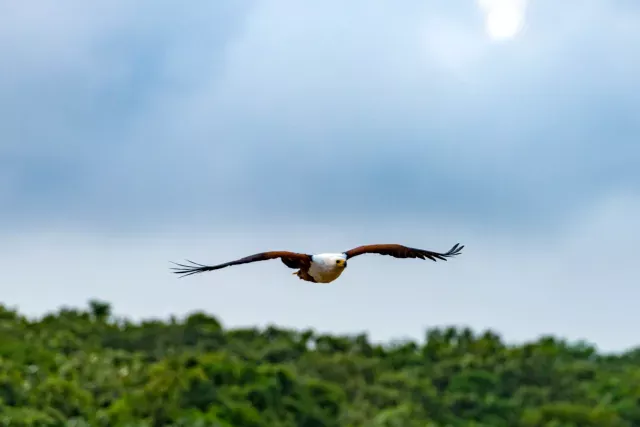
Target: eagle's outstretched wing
[(290, 259), (400, 251)]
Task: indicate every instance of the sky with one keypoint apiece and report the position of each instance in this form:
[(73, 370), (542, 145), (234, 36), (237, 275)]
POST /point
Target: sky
[(137, 133)]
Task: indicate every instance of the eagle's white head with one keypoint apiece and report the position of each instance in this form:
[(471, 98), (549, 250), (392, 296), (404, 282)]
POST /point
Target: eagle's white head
[(331, 260)]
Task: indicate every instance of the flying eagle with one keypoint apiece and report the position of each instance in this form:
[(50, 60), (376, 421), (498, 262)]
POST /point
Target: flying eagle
[(322, 268)]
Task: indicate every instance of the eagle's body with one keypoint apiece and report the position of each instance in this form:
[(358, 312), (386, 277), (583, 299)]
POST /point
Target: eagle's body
[(324, 267)]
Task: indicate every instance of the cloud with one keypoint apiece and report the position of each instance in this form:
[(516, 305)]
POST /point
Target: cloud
[(157, 114)]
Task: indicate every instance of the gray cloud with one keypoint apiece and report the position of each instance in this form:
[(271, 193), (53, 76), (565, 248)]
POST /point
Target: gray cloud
[(147, 113)]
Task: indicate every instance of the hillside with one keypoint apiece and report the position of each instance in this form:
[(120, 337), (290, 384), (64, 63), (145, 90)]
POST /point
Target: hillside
[(86, 368)]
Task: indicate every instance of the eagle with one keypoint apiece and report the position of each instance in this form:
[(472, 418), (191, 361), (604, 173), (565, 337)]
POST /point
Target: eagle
[(323, 267)]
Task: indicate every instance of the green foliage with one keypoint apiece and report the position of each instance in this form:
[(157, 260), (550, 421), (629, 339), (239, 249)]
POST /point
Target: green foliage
[(87, 368)]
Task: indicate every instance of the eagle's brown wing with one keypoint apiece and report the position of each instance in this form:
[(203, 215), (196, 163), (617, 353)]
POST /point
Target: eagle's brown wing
[(290, 259), (400, 251)]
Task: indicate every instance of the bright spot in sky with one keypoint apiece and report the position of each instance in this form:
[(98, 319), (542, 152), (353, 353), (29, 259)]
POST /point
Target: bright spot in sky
[(503, 18)]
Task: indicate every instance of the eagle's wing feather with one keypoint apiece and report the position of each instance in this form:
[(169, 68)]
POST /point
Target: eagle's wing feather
[(290, 259), (399, 251)]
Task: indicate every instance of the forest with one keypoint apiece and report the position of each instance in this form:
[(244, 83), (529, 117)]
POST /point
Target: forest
[(87, 367)]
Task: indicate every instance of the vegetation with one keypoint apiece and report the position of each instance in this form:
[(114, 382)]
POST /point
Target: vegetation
[(87, 368)]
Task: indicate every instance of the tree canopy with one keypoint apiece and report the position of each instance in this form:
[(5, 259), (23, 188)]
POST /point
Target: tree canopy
[(88, 368)]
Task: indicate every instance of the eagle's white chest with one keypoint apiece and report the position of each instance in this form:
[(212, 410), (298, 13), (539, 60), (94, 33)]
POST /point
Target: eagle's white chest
[(324, 268)]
